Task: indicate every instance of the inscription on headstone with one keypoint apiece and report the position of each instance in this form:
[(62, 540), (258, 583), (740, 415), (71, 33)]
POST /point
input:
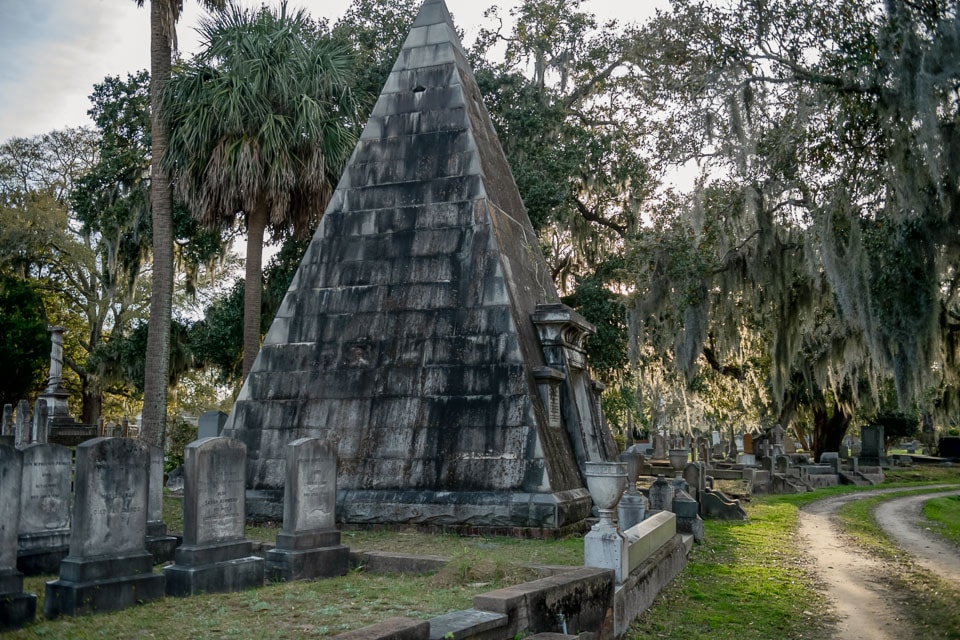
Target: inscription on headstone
[(110, 514), (214, 509), (311, 500)]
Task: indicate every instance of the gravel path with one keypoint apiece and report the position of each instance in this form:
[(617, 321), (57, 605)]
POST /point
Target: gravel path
[(856, 581)]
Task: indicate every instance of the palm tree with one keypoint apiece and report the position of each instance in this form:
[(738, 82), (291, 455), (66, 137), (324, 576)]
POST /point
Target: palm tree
[(164, 15), (261, 122)]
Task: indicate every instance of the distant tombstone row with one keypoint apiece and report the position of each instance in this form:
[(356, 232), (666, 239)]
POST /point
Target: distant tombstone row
[(105, 547), (19, 429)]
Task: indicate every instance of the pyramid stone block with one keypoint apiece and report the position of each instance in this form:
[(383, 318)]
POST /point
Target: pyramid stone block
[(407, 338)]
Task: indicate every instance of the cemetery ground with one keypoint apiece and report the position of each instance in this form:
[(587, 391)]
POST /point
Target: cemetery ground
[(748, 580)]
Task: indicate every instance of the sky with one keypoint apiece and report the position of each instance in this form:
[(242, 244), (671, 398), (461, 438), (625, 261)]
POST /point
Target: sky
[(54, 51)]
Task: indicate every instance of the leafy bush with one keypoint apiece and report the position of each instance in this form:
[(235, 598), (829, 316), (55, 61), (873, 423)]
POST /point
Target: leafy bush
[(179, 436)]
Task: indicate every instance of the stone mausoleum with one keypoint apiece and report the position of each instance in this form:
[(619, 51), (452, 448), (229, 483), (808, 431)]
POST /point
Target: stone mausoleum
[(422, 334)]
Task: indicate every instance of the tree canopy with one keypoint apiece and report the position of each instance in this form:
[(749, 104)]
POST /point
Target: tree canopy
[(755, 202)]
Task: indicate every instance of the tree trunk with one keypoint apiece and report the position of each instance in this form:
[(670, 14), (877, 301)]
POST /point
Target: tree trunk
[(92, 402), (156, 377), (828, 430), (253, 287)]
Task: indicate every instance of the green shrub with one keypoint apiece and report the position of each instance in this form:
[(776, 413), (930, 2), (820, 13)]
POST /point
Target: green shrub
[(179, 436)]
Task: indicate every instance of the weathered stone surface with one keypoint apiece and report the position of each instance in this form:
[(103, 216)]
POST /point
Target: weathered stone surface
[(215, 556), (580, 600), (390, 629), (309, 544), (11, 475), (6, 422), (406, 334), (108, 567), (468, 623), (16, 607), (44, 528)]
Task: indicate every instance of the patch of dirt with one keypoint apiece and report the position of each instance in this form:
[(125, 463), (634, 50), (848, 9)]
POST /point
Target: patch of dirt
[(857, 582)]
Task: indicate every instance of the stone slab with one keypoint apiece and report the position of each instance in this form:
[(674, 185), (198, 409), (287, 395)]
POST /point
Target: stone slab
[(471, 624), (208, 554), (308, 540), (385, 562), (82, 570), (220, 577), (17, 610), (582, 598), (641, 587), (390, 629), (644, 539), (326, 562), (74, 599)]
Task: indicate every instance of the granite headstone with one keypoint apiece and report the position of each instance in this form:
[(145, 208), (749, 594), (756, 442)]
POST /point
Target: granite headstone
[(215, 556), (16, 607), (44, 529), (309, 544), (41, 422), (108, 567), (21, 432)]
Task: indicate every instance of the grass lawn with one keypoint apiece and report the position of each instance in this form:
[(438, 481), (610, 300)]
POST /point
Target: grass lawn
[(944, 513), (748, 580)]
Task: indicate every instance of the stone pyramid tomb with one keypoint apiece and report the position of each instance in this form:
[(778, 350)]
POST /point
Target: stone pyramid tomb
[(422, 334)]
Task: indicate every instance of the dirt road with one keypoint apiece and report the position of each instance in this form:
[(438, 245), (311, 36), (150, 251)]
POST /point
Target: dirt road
[(855, 580)]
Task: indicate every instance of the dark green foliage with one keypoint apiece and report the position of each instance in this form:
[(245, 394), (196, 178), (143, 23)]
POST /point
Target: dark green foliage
[(375, 31), (122, 359), (217, 339), (607, 348), (897, 425), (24, 342), (179, 435)]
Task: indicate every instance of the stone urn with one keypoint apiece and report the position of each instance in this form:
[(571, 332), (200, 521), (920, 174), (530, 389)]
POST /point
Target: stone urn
[(678, 458), (606, 482)]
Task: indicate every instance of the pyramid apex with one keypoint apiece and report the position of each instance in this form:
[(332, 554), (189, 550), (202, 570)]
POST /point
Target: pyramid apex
[(433, 12), (433, 33)]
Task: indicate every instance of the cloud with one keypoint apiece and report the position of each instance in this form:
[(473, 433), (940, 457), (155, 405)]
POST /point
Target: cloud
[(54, 51)]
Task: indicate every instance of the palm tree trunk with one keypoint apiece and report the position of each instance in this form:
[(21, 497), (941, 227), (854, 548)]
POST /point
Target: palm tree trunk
[(253, 287), (161, 205)]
